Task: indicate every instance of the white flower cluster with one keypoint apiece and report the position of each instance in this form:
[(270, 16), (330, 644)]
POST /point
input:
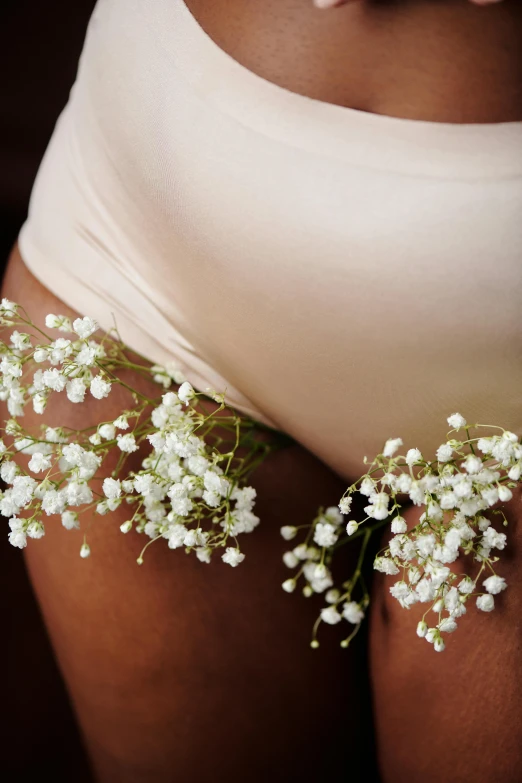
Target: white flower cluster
[(312, 558), (187, 491), (457, 489), (190, 491)]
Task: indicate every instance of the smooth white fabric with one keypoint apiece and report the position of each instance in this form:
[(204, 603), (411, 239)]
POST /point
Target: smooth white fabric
[(348, 277)]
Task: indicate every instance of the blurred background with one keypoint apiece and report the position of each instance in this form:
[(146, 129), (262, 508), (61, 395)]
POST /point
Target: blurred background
[(40, 43)]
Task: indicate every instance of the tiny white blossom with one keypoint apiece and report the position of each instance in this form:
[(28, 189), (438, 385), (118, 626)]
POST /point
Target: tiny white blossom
[(333, 515), (345, 505), (378, 508), (54, 379), (86, 356), (456, 421), (60, 322), (332, 596), (6, 306), (70, 520), (353, 612), (84, 327), (413, 456), (85, 550), (444, 452), (111, 488), (289, 585), (495, 584), (39, 462), (504, 493), (325, 534), (99, 387), (290, 560), (422, 629), (391, 446), (486, 603), (472, 464), (107, 431), (233, 556), (439, 645), (385, 565), (288, 532), (447, 625), (121, 422), (76, 390), (35, 530), (127, 443), (398, 525), (20, 341), (466, 585), (352, 527), (330, 615), (186, 392), (203, 553), (126, 527), (17, 536)]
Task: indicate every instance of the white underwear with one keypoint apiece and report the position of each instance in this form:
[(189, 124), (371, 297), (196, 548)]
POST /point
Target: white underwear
[(346, 276)]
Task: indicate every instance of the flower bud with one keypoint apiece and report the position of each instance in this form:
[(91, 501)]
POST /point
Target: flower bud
[(422, 629)]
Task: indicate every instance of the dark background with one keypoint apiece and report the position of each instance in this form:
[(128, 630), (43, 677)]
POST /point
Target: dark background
[(40, 42)]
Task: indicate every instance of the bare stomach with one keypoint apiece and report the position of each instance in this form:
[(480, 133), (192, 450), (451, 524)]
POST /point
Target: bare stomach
[(444, 61)]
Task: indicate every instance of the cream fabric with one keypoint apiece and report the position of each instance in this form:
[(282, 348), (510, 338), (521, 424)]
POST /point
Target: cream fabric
[(348, 277)]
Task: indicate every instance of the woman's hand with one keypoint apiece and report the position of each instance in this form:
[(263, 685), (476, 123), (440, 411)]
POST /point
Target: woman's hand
[(337, 3)]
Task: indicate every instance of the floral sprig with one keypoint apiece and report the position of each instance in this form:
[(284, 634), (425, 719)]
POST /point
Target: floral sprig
[(190, 490), (467, 479)]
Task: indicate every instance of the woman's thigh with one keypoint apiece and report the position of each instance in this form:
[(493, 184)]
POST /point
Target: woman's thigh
[(184, 671), (456, 715)]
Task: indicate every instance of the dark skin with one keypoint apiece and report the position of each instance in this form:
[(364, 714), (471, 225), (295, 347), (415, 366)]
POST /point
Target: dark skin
[(181, 672)]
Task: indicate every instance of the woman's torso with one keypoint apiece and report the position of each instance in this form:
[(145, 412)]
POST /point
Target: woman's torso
[(347, 276), (441, 60)]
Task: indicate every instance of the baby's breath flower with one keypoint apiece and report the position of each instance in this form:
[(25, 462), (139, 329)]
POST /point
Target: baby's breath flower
[(233, 556), (182, 477), (399, 525), (127, 443), (186, 392), (84, 327), (391, 446), (494, 584), (100, 387), (444, 452), (325, 534), (456, 421), (70, 520), (290, 560), (111, 488), (413, 456), (486, 602), (378, 508), (288, 532), (422, 629), (330, 615), (76, 389), (353, 612)]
